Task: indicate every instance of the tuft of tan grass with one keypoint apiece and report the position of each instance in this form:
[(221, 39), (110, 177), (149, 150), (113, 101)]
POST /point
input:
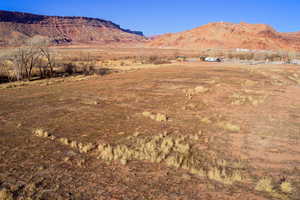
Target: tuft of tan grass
[(197, 90), (265, 184), (146, 113), (64, 141), (220, 175), (200, 89), (286, 187), (39, 132), (228, 126), (199, 172), (239, 99), (157, 117), (206, 120), (174, 151), (161, 117), (249, 83), (6, 195), (86, 148), (237, 176), (175, 160), (74, 144)]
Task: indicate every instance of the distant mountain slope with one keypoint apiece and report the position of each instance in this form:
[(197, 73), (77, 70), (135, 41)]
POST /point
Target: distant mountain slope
[(230, 35), (16, 28)]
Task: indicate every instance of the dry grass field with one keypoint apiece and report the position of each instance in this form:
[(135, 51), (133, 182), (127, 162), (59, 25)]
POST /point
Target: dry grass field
[(183, 130)]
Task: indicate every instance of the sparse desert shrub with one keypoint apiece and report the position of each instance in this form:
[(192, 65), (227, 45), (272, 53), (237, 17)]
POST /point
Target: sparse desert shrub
[(88, 69), (102, 71), (156, 60), (70, 68)]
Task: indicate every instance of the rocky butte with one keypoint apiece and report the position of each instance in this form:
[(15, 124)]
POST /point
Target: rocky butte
[(228, 36), (17, 28)]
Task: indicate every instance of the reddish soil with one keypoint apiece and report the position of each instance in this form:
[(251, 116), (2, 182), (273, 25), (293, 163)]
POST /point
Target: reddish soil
[(267, 142)]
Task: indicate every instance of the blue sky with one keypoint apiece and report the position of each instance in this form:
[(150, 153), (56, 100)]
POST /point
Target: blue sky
[(162, 16)]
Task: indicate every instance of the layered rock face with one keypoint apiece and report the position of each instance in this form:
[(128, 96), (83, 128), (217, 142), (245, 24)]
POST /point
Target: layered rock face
[(17, 28), (228, 36)]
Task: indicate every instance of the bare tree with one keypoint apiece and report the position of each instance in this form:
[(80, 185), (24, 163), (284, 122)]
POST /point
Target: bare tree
[(26, 58), (49, 58)]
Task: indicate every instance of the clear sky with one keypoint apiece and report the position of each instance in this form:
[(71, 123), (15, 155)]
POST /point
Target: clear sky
[(162, 16)]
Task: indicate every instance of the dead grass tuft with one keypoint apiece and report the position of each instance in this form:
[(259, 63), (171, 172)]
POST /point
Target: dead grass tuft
[(265, 184), (85, 148), (286, 187), (206, 120), (157, 117), (228, 126), (174, 151), (5, 194), (239, 99), (197, 90), (64, 141), (39, 132)]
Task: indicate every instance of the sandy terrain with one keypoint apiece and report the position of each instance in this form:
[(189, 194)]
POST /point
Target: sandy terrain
[(178, 131)]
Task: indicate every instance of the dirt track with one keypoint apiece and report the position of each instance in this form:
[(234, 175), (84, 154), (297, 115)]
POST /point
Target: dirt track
[(244, 115)]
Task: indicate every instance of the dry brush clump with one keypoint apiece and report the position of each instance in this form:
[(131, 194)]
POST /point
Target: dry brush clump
[(82, 148), (219, 121), (266, 184), (193, 91), (286, 187), (155, 59), (178, 152), (228, 126), (222, 175), (39, 132), (242, 99), (157, 117)]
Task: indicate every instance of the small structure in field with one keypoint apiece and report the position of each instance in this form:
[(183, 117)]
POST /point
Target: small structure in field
[(212, 59)]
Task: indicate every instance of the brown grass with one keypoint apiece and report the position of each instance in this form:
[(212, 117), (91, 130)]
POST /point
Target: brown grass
[(174, 151)]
